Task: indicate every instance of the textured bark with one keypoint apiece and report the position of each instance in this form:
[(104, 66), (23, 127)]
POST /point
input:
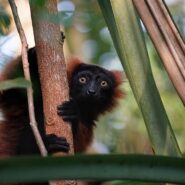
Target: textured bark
[(52, 69)]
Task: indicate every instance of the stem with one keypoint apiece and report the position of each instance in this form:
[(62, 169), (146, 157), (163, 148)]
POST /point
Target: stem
[(25, 63)]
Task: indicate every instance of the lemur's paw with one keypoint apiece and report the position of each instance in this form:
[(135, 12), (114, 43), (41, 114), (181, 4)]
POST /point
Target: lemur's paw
[(68, 111), (56, 144)]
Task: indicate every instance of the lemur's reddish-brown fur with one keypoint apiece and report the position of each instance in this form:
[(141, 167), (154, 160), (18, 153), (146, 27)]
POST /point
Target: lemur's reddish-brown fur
[(15, 114), (14, 117)]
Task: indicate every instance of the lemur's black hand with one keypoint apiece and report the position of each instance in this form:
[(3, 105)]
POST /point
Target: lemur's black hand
[(56, 144), (68, 111)]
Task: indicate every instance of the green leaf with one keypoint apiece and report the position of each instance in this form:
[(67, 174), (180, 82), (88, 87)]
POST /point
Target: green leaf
[(38, 4), (128, 39), (4, 20), (130, 183), (106, 167), (15, 83)]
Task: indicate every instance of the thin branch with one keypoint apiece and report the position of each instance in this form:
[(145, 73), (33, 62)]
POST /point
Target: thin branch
[(25, 62)]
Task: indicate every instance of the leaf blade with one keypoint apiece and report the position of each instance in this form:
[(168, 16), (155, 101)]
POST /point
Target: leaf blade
[(15, 83), (127, 36), (107, 167)]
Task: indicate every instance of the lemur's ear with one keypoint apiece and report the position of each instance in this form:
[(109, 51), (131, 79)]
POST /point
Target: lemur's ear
[(71, 66)]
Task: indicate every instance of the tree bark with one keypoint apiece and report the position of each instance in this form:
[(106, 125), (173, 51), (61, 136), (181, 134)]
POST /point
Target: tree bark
[(52, 69)]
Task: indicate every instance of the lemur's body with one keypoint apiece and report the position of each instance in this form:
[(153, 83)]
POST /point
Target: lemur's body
[(93, 91)]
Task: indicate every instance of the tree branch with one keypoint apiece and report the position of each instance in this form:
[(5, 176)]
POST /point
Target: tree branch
[(25, 63), (52, 70)]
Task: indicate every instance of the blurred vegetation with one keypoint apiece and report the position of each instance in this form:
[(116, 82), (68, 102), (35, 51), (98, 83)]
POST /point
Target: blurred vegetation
[(129, 183), (88, 38), (4, 21)]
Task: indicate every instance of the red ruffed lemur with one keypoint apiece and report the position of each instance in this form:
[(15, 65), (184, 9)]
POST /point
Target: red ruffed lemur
[(93, 91)]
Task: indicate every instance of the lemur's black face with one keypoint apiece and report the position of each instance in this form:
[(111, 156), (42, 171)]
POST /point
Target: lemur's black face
[(91, 83)]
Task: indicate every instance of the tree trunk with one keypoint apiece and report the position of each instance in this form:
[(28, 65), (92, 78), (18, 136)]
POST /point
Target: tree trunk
[(52, 68)]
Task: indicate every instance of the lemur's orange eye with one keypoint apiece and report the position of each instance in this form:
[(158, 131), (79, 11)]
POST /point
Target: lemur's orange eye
[(104, 83), (82, 80)]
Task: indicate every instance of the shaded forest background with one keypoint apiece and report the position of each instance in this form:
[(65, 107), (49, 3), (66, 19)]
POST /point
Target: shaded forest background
[(88, 38)]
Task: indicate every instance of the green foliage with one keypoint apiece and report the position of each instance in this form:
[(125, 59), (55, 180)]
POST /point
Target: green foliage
[(4, 21), (130, 183), (39, 4), (15, 83), (107, 167), (127, 36)]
